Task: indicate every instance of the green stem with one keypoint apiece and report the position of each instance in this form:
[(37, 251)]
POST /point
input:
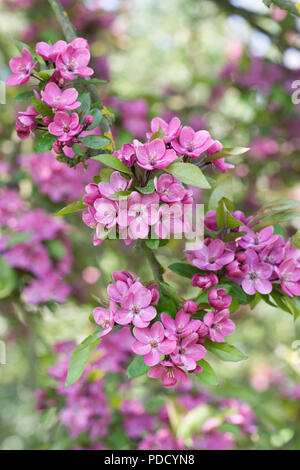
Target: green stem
[(157, 268)]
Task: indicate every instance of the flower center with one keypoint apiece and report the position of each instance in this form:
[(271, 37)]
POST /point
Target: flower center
[(253, 276), (153, 343), (135, 309)]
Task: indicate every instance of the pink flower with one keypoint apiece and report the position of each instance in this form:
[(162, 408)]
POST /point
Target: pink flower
[(171, 131), (135, 307), (289, 275), (169, 188), (218, 299), (151, 343), (26, 123), (21, 68), (154, 155), (117, 183), (205, 282), (213, 256), (257, 240), (189, 306), (58, 99), (188, 352), (192, 143), (126, 155), (169, 373), (219, 163), (49, 52), (106, 212), (105, 318), (65, 126), (172, 219), (92, 193), (118, 290), (138, 213), (219, 325), (72, 62), (258, 275), (179, 327), (237, 268)]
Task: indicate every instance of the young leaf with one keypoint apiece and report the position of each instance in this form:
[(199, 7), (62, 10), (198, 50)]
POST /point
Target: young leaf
[(208, 375), (95, 141), (226, 352), (121, 194), (44, 143), (223, 189), (7, 278), (97, 115), (185, 270), (188, 174), (113, 162), (152, 244), (148, 189), (73, 207), (137, 367), (42, 108)]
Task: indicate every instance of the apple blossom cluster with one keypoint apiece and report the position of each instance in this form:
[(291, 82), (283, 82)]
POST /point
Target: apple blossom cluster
[(92, 419), (37, 246), (260, 261), (169, 346), (57, 108)]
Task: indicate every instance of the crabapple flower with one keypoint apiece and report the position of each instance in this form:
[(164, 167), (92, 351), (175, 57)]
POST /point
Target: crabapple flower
[(73, 62), (49, 52), (257, 240), (25, 123), (171, 131), (188, 352), (151, 343), (212, 256), (172, 219), (154, 155), (258, 275), (65, 126), (169, 188), (205, 282), (64, 100), (179, 327), (106, 213), (189, 306), (219, 325), (21, 68), (105, 318), (138, 213), (135, 307), (123, 281), (218, 299), (289, 276), (170, 374), (126, 155), (192, 143), (117, 183)]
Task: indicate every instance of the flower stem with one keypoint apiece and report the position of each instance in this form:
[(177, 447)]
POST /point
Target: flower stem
[(157, 268)]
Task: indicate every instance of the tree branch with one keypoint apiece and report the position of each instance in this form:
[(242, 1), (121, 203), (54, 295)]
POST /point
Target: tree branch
[(157, 268)]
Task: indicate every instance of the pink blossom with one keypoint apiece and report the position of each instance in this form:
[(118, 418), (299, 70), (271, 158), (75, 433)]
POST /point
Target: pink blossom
[(179, 327), (219, 325), (117, 183), (42, 290), (105, 318), (25, 123), (210, 221), (205, 282), (189, 306), (170, 374), (65, 126), (122, 284), (169, 188), (49, 52), (154, 155), (92, 193), (188, 352), (73, 62), (126, 155), (106, 213), (172, 219), (258, 275), (289, 275), (151, 343), (257, 240), (58, 99), (212, 256), (218, 299), (135, 307), (192, 143), (171, 131), (138, 213), (21, 68)]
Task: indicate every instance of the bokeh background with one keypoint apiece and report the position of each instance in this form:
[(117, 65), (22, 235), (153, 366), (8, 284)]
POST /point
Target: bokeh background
[(224, 66)]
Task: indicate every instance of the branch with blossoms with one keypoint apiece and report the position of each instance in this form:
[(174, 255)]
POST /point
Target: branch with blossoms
[(144, 196)]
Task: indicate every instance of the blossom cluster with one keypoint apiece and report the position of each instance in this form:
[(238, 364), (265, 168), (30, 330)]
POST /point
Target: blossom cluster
[(36, 245), (89, 415), (256, 260), (170, 346), (56, 109)]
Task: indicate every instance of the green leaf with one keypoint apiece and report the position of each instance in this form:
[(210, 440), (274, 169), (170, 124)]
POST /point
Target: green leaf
[(44, 143), (24, 96), (137, 367), (42, 108), (18, 237), (208, 375), (113, 162), (121, 194), (295, 240), (73, 207), (188, 174), (166, 303), (97, 115), (95, 141), (158, 134), (185, 269), (56, 249), (237, 291), (78, 150), (152, 244), (273, 209), (226, 153), (148, 189), (90, 81), (193, 421), (226, 352), (7, 278), (80, 357), (223, 189), (84, 108)]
